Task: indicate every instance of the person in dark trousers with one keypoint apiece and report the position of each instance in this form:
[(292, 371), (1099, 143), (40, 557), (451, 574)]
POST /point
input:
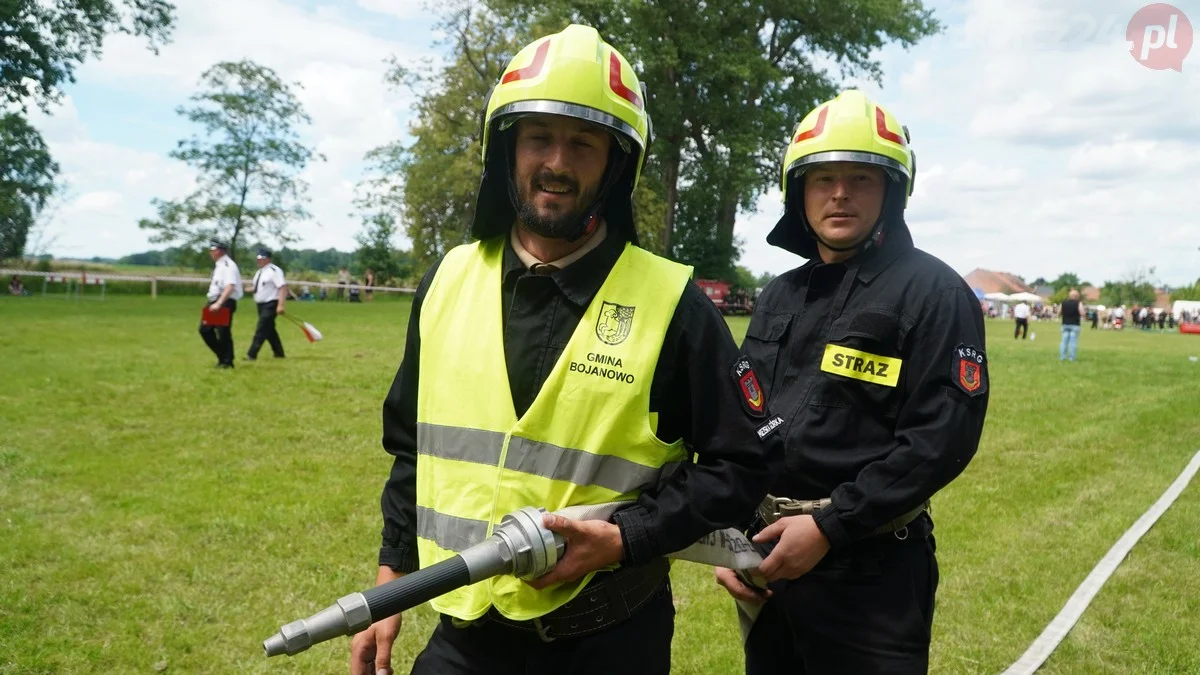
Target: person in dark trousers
[(875, 351), (1021, 315), (617, 379), (270, 295), (1070, 312), (224, 290)]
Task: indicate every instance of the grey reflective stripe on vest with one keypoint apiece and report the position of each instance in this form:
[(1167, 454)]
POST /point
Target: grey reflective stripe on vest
[(581, 468), (536, 458), (449, 532), (465, 445)]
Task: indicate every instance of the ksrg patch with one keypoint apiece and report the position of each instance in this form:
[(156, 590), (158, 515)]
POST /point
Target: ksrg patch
[(753, 398), (968, 369)]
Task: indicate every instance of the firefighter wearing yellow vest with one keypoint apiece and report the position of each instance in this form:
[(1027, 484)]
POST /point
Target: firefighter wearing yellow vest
[(876, 351), (553, 363)]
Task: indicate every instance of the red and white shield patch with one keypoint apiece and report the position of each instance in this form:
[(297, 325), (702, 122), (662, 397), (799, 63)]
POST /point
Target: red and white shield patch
[(753, 398), (968, 369)]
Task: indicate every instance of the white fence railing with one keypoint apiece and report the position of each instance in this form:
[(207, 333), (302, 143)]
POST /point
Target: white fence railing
[(86, 278)]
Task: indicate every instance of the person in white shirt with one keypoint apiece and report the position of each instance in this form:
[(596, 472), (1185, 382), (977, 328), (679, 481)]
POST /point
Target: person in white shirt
[(270, 294), (224, 290), (1021, 314)]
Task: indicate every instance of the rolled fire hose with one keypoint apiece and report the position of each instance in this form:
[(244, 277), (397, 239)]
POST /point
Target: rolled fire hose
[(521, 546)]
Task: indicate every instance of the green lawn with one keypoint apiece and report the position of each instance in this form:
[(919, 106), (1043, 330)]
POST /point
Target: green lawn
[(159, 515)]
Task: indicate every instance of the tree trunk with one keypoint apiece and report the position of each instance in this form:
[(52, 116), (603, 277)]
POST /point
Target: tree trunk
[(671, 182), (726, 218)]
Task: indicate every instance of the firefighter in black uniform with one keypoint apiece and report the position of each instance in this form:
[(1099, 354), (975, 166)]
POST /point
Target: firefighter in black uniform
[(565, 137), (873, 354)]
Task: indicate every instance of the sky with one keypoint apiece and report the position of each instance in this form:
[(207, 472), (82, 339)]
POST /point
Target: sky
[(1046, 141)]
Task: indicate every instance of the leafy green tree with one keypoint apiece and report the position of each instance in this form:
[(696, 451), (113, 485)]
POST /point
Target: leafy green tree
[(1187, 293), (27, 175), (727, 81), (377, 249), (1068, 280), (1135, 289), (45, 41), (249, 161)]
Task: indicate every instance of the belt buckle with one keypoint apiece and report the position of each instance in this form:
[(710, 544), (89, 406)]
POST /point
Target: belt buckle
[(769, 508)]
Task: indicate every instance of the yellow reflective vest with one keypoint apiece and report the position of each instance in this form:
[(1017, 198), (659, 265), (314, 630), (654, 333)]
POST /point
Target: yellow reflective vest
[(588, 437)]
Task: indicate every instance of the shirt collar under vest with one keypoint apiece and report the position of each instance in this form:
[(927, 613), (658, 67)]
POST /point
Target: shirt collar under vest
[(580, 280)]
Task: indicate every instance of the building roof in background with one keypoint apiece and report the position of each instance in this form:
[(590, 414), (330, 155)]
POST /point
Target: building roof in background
[(996, 282)]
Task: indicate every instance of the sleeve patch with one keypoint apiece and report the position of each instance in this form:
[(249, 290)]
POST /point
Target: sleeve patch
[(968, 370), (753, 399)]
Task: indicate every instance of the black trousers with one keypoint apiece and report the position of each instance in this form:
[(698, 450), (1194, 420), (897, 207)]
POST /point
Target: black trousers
[(266, 331), (866, 610), (220, 338), (640, 645), (1022, 324)]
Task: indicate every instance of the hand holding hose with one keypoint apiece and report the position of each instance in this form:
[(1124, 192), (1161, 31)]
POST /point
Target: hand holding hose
[(591, 545)]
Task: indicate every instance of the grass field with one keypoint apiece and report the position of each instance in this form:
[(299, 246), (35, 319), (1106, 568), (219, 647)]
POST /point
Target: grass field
[(159, 515)]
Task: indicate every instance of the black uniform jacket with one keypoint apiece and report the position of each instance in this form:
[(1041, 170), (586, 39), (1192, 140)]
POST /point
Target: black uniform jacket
[(878, 435), (694, 392)]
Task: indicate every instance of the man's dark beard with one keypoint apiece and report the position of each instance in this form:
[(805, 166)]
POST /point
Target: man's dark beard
[(567, 225)]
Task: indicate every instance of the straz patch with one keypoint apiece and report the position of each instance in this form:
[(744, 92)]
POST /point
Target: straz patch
[(770, 427), (968, 369), (753, 398), (614, 323), (863, 366)]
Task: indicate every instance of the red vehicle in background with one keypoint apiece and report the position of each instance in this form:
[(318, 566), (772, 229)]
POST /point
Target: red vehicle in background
[(727, 299)]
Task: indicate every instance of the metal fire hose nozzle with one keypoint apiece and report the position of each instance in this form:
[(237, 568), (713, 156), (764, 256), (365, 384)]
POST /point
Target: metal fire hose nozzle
[(520, 545)]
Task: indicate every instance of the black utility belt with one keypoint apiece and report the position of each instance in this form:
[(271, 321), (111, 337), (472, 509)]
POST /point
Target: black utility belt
[(609, 599)]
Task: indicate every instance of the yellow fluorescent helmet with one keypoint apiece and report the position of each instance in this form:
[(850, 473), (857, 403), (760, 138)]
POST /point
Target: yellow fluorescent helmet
[(850, 128), (577, 74)]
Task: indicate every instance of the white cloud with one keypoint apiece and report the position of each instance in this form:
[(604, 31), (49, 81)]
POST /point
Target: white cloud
[(916, 79), (1125, 157), (401, 9)]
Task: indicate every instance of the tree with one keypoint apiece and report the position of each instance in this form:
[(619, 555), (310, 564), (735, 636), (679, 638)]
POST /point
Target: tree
[(727, 80), (1134, 289), (27, 175), (45, 41), (249, 161), (1187, 293), (1068, 280), (377, 250)]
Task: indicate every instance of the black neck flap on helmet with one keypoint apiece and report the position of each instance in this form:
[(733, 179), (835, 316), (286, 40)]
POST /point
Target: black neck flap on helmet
[(496, 205)]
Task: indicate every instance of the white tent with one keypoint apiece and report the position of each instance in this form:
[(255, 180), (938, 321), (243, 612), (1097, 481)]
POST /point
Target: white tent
[(1192, 306), (996, 297), (1026, 297)]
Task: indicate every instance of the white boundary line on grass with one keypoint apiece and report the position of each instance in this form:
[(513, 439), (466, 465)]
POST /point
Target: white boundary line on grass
[(1040, 650)]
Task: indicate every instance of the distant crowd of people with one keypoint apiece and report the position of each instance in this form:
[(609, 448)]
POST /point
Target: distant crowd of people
[(348, 288)]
